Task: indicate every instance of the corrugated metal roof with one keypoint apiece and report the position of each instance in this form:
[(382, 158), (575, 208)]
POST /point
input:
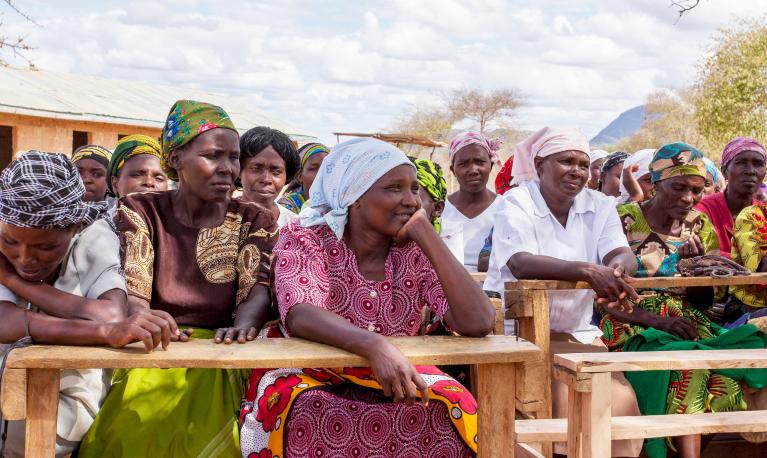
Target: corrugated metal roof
[(89, 98)]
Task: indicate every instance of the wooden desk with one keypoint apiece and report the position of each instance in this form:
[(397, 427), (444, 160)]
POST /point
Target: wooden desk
[(34, 374)]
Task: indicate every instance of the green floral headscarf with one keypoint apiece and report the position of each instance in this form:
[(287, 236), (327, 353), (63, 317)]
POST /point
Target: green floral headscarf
[(677, 159), (186, 120), (128, 147), (432, 180)]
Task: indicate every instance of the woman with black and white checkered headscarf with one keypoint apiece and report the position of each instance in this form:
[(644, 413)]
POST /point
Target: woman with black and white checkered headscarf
[(62, 260)]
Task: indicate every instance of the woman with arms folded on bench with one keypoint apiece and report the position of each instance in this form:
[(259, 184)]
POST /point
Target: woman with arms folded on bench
[(550, 227), (206, 260), (360, 264), (61, 284), (662, 231)]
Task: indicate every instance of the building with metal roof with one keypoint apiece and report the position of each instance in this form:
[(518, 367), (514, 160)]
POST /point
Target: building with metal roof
[(59, 112)]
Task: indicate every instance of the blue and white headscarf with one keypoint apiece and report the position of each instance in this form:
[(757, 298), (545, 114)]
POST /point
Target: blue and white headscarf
[(350, 169)]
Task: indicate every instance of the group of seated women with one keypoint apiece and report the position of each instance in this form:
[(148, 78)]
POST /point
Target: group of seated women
[(347, 245)]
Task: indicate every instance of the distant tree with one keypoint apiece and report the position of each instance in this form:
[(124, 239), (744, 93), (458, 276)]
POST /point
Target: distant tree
[(18, 46), (732, 85), (431, 122), (496, 107)]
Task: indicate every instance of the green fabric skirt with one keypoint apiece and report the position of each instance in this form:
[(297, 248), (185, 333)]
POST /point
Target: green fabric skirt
[(169, 413)]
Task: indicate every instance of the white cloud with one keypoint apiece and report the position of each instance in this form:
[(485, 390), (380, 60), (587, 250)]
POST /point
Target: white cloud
[(357, 66)]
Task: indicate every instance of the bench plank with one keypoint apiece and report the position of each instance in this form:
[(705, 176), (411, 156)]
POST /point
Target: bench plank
[(656, 282), (649, 426), (661, 360), (269, 353), (42, 407)]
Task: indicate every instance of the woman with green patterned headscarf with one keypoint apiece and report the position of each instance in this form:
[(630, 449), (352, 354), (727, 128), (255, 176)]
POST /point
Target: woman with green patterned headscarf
[(205, 259), (661, 231), (297, 192), (433, 190), (136, 166)]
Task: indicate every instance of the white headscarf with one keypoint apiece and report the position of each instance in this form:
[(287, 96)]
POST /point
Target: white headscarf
[(350, 169), (597, 154), (643, 157), (545, 142)]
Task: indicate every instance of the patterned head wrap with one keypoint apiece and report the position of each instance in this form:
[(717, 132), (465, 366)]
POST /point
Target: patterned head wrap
[(677, 159), (544, 143), (503, 179), (432, 180), (309, 150), (613, 159), (741, 145), (95, 152), (350, 169), (475, 138), (716, 176), (44, 190), (186, 120), (128, 147)]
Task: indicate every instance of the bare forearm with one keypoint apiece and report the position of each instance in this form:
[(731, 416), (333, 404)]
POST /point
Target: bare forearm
[(65, 305), (471, 313), (47, 329), (638, 316), (540, 267), (320, 325), (622, 257), (254, 310)]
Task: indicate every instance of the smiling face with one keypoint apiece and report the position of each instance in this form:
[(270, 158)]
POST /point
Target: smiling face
[(563, 175), (94, 176), (263, 176), (35, 254), (208, 166), (745, 172), (471, 166), (140, 173), (678, 195), (389, 203)]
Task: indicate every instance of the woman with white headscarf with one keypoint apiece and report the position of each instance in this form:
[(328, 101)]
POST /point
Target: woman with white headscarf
[(362, 262), (597, 159), (552, 228), (636, 184)]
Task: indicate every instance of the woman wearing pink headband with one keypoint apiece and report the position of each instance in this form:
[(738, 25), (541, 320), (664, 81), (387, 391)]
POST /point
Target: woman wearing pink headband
[(468, 215), (743, 165)]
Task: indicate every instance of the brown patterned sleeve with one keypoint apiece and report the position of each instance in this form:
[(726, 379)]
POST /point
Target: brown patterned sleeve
[(136, 249), (258, 235)]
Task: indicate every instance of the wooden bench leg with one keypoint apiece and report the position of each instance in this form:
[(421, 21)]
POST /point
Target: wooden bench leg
[(42, 410), (496, 399), (589, 419)]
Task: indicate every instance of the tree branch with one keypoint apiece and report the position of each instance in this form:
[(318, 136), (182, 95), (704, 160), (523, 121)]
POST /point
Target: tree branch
[(684, 6)]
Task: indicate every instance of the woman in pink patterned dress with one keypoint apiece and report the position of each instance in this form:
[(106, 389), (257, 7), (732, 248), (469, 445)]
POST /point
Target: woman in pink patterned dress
[(361, 263)]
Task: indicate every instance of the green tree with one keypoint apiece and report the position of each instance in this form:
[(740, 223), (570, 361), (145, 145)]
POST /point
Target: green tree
[(732, 85)]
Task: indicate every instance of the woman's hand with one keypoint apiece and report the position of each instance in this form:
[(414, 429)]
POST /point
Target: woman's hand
[(415, 226), (152, 328), (611, 285), (691, 248), (397, 376), (6, 269), (243, 334), (678, 326)]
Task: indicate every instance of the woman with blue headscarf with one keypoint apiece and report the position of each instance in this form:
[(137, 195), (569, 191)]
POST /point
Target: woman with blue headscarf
[(361, 263)]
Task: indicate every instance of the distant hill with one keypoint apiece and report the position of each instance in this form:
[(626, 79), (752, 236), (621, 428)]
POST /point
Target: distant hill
[(621, 127)]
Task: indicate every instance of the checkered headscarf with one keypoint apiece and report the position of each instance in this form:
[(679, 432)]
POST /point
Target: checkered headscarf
[(44, 190)]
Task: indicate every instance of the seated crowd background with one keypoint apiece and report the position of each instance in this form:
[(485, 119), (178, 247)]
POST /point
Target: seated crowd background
[(346, 245)]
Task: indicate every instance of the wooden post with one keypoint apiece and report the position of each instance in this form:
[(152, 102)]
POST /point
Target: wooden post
[(496, 399), (42, 410), (589, 433), (536, 377)]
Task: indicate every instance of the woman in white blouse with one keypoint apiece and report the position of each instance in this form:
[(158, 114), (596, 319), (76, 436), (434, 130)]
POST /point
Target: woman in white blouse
[(469, 212), (550, 227)]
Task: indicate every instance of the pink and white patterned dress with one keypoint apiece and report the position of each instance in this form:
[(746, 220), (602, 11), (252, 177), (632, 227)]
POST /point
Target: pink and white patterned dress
[(342, 411)]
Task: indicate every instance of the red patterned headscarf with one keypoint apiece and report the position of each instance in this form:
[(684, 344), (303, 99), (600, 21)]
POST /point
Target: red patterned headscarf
[(503, 179)]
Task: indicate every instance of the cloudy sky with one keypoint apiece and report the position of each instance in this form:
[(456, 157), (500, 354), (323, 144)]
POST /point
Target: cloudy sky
[(326, 66)]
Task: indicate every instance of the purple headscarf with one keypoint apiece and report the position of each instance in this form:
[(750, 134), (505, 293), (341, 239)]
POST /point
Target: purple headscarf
[(470, 138), (740, 145)]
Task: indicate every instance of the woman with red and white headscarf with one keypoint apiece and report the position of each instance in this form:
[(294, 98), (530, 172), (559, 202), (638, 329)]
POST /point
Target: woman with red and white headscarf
[(468, 214)]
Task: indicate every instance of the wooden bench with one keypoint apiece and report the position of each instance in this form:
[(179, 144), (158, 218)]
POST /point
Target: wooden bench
[(589, 427), (31, 384), (527, 301)]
